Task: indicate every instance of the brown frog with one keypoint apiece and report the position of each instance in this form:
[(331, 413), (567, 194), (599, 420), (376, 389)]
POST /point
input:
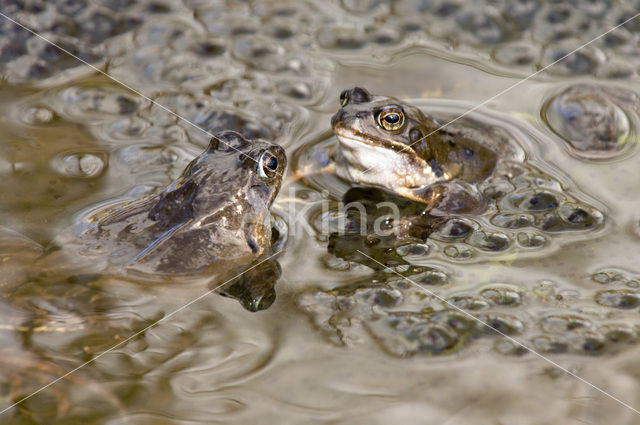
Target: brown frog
[(212, 223), (387, 143), (216, 214)]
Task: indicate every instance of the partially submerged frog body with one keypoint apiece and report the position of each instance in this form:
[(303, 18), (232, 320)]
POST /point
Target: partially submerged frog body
[(211, 223), (482, 195), (387, 143), (215, 214)]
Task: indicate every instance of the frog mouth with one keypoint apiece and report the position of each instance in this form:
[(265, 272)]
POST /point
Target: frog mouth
[(349, 136), (382, 163)]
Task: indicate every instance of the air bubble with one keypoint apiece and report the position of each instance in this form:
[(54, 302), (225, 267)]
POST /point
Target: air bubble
[(37, 115), (79, 164)]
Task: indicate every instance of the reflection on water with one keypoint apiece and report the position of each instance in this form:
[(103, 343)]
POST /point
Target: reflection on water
[(552, 262)]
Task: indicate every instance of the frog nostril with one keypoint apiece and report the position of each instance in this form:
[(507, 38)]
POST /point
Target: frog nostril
[(362, 115)]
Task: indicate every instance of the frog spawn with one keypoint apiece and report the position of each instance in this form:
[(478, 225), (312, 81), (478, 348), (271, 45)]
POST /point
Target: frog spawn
[(239, 66), (405, 319), (79, 27), (597, 122), (528, 212), (526, 198), (622, 289), (518, 35), (218, 42), (597, 322)]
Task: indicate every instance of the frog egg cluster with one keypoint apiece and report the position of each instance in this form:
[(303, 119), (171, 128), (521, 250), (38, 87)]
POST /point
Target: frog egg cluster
[(520, 35), (81, 27), (404, 320), (528, 198), (226, 67), (526, 220), (198, 45), (596, 122), (622, 289), (531, 210)]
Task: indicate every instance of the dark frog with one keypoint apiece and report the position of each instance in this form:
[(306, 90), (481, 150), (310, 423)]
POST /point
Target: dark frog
[(215, 215), (387, 143)]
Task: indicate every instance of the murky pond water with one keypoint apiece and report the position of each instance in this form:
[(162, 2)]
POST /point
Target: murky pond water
[(349, 339)]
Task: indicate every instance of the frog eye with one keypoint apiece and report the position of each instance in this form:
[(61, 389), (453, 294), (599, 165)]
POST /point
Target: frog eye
[(344, 98), (391, 119), (267, 165)]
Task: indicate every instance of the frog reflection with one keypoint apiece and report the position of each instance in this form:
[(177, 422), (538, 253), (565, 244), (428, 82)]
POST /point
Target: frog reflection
[(373, 223), (255, 288)]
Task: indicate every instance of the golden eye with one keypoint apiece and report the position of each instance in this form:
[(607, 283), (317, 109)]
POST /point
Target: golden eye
[(344, 98), (391, 119)]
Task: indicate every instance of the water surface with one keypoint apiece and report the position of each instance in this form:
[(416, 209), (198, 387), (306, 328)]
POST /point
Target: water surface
[(74, 140)]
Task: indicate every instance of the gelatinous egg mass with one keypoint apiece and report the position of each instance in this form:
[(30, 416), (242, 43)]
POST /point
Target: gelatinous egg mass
[(593, 120)]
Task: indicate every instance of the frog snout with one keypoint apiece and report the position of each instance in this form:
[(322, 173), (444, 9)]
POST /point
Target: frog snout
[(356, 121)]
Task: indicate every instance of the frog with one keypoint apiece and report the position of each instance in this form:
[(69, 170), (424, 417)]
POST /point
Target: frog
[(385, 142), (215, 213), (466, 183), (213, 222), (411, 209)]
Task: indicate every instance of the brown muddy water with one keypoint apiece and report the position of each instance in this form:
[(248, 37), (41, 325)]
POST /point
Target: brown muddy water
[(346, 341)]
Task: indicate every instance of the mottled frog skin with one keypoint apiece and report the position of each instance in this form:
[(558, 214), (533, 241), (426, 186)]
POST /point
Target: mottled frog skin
[(215, 214), (387, 143)]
